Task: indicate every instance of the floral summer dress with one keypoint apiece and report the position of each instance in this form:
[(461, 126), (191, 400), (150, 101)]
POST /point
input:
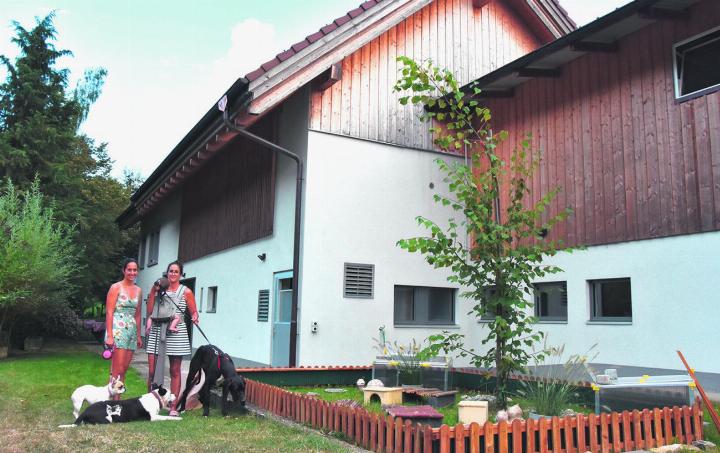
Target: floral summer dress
[(124, 328)]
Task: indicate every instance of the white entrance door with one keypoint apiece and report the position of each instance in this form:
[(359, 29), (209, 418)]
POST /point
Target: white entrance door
[(282, 306)]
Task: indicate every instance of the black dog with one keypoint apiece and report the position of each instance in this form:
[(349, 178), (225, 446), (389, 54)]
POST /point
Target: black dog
[(214, 363)]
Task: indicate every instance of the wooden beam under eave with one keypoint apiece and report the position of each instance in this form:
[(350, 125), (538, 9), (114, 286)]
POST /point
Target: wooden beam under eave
[(329, 77), (593, 46), (663, 13), (480, 3), (539, 72), (496, 93)]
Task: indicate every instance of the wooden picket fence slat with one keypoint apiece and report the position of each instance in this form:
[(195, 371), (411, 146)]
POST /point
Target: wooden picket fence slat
[(616, 431)]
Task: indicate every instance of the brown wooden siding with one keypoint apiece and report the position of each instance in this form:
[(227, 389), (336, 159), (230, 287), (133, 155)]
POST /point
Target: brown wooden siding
[(469, 41), (230, 201), (632, 162)]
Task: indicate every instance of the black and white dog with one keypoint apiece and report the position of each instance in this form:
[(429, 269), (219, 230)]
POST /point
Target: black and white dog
[(214, 363), (93, 394), (145, 407)]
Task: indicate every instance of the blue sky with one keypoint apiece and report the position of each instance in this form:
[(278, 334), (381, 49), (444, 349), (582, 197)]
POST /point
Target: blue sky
[(169, 61)]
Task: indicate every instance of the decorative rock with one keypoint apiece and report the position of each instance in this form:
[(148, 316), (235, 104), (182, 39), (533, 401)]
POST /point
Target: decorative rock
[(360, 382), (515, 412), (501, 416), (703, 444), (333, 390), (568, 413), (673, 447), (489, 398), (375, 383)]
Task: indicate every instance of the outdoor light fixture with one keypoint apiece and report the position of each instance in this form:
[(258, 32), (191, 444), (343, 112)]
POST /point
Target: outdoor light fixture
[(262, 256)]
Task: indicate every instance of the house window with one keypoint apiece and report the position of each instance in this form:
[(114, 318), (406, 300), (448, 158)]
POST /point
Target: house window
[(551, 301), (154, 248), (696, 67), (489, 314), (610, 300), (211, 305), (421, 305), (358, 281), (141, 253)]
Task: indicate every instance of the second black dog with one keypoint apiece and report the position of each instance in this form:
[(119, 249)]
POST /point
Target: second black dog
[(214, 363)]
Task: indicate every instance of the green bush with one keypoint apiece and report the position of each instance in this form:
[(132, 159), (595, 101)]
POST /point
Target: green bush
[(36, 259)]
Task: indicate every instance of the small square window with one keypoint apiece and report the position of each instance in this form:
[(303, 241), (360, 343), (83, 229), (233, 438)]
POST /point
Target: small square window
[(154, 248), (422, 305), (696, 64), (211, 306), (551, 301), (610, 300), (141, 252)]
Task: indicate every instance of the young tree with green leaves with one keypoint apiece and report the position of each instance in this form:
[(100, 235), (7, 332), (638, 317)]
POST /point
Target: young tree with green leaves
[(507, 244), (40, 119), (37, 257)]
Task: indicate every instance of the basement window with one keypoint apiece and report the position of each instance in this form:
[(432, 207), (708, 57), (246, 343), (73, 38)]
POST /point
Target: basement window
[(696, 69), (610, 300)]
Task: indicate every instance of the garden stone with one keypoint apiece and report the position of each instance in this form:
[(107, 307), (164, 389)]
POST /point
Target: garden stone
[(334, 390), (703, 444)]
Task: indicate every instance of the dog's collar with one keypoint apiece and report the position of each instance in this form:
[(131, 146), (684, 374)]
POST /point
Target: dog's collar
[(157, 397)]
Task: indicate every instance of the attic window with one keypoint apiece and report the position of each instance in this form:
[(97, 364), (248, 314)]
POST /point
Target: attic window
[(696, 68), (358, 281)]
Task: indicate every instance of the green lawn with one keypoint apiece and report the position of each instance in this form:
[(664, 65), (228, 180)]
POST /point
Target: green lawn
[(35, 398)]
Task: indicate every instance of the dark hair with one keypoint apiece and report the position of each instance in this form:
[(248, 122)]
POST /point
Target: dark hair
[(127, 261), (176, 263)]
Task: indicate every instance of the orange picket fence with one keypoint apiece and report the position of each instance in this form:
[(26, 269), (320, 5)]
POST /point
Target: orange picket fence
[(616, 431)]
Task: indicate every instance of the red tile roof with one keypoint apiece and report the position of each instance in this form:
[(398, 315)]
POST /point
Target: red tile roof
[(299, 46), (329, 28)]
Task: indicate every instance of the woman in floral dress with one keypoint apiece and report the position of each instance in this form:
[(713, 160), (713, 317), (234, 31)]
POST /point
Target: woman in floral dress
[(122, 319)]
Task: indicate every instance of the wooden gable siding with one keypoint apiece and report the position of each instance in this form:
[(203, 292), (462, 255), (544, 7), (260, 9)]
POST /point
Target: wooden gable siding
[(632, 162), (230, 201), (469, 41)]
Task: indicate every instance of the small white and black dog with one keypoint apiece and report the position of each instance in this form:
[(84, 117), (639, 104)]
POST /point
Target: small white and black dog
[(145, 407), (93, 394)]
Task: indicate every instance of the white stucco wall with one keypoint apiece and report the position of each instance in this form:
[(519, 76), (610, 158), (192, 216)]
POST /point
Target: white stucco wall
[(237, 272), (361, 198), (675, 303)]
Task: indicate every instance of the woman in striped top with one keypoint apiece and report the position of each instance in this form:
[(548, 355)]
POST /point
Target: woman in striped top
[(177, 341)]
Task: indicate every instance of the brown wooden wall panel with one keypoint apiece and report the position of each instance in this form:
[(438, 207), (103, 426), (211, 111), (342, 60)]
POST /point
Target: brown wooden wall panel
[(469, 41), (631, 161), (230, 201)]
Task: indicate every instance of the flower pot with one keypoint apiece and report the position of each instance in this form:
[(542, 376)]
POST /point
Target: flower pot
[(32, 344)]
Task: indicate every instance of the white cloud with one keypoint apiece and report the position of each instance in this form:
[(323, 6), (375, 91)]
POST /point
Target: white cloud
[(252, 43)]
